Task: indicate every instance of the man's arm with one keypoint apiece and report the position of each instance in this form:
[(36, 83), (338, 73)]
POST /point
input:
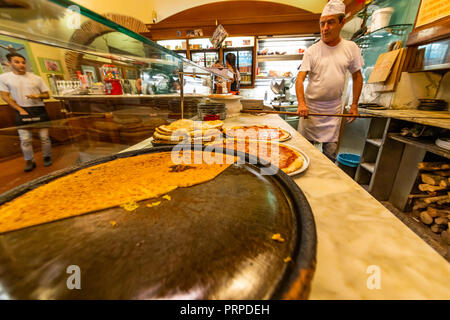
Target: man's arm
[(357, 88), (300, 92), (43, 95), (13, 104)]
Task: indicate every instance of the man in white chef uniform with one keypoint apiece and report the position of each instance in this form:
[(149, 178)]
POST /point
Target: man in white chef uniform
[(326, 63)]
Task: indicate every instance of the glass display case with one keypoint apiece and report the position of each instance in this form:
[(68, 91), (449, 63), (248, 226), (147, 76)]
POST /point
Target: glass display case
[(242, 48), (202, 52), (110, 87), (278, 60)]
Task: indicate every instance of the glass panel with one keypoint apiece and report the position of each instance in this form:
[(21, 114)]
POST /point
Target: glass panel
[(198, 58), (437, 55), (59, 23), (211, 58), (404, 10), (109, 88), (400, 25), (245, 59), (376, 43)]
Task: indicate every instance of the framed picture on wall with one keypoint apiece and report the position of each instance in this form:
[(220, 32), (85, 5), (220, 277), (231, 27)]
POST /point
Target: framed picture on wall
[(50, 66), (90, 73), (11, 46)]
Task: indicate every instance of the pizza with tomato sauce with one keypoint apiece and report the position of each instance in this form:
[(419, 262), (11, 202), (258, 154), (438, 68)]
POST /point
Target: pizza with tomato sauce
[(257, 132), (281, 155)]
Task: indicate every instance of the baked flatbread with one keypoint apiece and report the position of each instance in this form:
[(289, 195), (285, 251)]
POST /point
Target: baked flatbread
[(107, 185), (279, 154), (258, 132)]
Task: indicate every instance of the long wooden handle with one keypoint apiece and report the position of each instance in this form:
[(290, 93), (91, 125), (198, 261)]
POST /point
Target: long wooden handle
[(312, 114)]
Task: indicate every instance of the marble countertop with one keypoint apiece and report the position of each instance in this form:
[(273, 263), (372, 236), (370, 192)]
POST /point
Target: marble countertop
[(358, 238), (355, 232), (412, 115)]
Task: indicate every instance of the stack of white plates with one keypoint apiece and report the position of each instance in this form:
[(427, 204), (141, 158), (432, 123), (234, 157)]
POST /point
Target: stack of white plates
[(443, 143)]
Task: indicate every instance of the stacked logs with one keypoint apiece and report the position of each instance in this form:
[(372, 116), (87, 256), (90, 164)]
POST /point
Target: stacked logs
[(432, 207)]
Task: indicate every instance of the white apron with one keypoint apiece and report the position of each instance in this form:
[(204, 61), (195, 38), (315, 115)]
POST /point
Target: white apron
[(321, 129)]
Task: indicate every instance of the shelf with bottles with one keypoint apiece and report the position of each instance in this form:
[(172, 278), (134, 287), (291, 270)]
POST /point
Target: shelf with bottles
[(175, 45), (246, 78), (280, 57), (200, 44), (204, 58)]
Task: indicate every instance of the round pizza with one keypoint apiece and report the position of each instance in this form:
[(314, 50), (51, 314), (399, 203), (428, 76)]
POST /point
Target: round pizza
[(257, 132), (281, 155)]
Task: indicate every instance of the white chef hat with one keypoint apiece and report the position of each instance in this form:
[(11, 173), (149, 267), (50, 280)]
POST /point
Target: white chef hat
[(333, 7)]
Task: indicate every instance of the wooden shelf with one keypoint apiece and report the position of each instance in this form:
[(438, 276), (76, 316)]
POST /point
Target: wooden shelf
[(280, 57), (368, 166), (420, 143), (375, 142)]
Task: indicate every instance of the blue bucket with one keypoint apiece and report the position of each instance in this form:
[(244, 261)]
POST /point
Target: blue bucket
[(348, 163), (349, 159)]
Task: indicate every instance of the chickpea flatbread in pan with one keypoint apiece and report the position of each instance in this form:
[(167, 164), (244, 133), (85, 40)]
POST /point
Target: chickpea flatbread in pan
[(106, 185)]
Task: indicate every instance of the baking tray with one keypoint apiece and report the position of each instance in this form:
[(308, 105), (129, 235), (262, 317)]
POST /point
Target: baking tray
[(210, 241)]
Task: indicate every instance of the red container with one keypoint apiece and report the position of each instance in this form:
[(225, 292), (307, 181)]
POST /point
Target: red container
[(113, 87)]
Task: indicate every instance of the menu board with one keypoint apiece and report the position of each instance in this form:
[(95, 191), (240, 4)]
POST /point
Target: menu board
[(432, 10)]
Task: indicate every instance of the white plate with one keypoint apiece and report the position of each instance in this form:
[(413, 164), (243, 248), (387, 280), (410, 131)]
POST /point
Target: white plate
[(305, 161), (443, 144), (305, 157)]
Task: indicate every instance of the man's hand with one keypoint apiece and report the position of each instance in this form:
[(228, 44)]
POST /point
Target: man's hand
[(302, 110), (353, 111), (22, 112), (33, 96)]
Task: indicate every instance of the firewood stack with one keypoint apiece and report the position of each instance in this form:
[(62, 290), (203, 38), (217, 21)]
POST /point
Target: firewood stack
[(432, 207)]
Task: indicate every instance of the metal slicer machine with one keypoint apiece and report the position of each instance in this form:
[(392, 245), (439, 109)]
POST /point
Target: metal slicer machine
[(282, 91)]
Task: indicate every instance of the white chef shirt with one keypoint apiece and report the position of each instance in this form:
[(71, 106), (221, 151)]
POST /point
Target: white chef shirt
[(19, 86), (327, 67)]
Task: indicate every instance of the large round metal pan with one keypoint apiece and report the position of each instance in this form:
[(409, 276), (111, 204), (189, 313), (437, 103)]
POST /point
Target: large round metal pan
[(210, 241)]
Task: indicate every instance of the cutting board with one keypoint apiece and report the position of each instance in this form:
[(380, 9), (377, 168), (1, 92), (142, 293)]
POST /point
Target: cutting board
[(383, 66), (395, 74)]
